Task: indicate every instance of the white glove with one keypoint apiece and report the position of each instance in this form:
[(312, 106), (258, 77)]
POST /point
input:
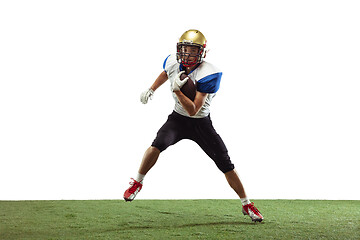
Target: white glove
[(177, 84), (144, 97)]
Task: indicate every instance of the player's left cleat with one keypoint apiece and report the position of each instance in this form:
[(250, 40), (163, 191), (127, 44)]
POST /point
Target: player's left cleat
[(253, 212), (131, 192)]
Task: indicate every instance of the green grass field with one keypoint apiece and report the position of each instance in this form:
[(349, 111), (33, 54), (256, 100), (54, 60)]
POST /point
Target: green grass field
[(178, 219)]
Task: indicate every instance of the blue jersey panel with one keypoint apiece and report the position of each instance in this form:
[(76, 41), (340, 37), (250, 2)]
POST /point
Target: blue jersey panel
[(210, 83), (164, 64)]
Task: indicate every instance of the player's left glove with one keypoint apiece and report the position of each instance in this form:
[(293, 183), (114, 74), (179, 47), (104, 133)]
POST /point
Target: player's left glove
[(144, 97), (178, 83)]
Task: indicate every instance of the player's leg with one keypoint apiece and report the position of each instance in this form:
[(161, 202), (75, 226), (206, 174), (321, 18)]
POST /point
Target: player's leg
[(214, 147), (235, 183), (168, 134), (248, 207), (149, 159)]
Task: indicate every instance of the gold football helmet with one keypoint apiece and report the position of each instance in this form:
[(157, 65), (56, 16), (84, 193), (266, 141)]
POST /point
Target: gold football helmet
[(192, 38)]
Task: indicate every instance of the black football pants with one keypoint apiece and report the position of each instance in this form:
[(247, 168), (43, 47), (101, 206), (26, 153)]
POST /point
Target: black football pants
[(201, 131)]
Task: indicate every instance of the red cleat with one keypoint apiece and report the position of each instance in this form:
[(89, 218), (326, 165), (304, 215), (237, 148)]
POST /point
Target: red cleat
[(253, 212), (131, 192)]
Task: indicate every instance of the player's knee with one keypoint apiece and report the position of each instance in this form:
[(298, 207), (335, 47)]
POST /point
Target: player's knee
[(163, 141), (224, 163), (154, 150), (158, 146), (226, 167)]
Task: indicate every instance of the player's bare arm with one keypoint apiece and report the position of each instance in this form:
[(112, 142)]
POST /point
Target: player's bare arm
[(192, 107), (148, 94), (160, 80)]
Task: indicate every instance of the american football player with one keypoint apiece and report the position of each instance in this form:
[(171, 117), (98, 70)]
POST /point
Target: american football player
[(191, 119)]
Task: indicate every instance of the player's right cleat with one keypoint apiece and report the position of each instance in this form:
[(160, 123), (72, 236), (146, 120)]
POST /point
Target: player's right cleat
[(131, 192), (253, 212)]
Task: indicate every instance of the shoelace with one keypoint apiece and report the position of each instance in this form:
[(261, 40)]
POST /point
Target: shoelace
[(134, 185), (254, 209)]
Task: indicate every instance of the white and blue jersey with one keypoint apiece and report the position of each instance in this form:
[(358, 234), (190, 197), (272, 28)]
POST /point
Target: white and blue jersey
[(206, 75)]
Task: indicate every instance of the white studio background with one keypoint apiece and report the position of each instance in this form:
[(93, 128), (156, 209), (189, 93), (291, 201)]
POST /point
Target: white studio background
[(72, 125)]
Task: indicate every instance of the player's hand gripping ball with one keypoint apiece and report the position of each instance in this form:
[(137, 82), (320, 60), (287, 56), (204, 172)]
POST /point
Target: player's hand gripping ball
[(178, 83), (189, 88), (184, 84)]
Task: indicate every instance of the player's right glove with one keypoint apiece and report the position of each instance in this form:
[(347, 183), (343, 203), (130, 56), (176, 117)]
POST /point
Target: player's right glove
[(144, 97), (178, 83)]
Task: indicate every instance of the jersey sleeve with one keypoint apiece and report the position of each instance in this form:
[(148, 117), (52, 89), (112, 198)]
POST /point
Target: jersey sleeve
[(170, 63), (165, 65), (210, 83)]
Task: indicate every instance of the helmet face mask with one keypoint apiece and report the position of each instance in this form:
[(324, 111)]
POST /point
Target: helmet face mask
[(191, 48), (189, 54)]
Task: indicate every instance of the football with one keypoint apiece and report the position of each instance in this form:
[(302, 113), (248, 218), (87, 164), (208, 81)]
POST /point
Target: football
[(189, 88)]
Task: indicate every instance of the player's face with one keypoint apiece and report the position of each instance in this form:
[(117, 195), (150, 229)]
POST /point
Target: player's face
[(189, 53)]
